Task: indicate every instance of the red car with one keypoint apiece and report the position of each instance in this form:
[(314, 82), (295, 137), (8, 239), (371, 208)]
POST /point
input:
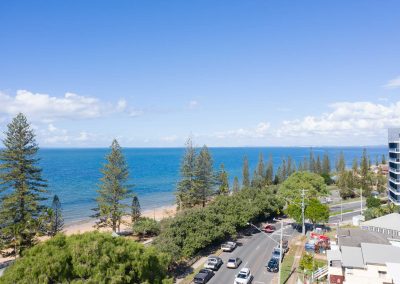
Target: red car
[(319, 237), (269, 229)]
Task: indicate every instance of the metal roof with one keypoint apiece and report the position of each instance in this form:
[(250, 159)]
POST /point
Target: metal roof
[(352, 257), (394, 271), (353, 237), (390, 221), (380, 254)]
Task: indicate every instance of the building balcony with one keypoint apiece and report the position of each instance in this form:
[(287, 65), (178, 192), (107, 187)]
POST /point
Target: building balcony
[(394, 170), (396, 181), (394, 200), (394, 150), (394, 160)]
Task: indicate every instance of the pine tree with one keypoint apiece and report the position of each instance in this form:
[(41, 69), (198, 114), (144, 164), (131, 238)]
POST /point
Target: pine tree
[(283, 175), (318, 166), (355, 165), (376, 161), (246, 174), (269, 174), (135, 209), (364, 169), (326, 165), (306, 166), (185, 192), (312, 161), (56, 220), (383, 159), (204, 176), (291, 166), (341, 164), (260, 166), (22, 186), (223, 181), (236, 186), (113, 190)]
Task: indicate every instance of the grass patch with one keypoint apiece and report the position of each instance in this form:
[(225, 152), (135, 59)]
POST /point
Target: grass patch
[(286, 266)]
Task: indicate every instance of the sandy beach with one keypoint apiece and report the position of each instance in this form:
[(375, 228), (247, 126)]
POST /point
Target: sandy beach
[(88, 225)]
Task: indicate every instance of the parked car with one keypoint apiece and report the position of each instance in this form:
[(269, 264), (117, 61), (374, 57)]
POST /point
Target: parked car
[(213, 263), (269, 229), (234, 262), (203, 276), (273, 265), (228, 246), (320, 237), (276, 253), (243, 277)]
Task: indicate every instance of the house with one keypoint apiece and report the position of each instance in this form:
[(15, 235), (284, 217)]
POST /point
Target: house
[(369, 263), (387, 226)]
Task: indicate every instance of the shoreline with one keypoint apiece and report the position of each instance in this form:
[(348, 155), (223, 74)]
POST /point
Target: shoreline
[(83, 226)]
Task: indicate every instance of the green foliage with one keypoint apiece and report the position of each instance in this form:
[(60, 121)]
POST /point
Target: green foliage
[(340, 163), (223, 181), (146, 227), (204, 177), (326, 166), (347, 182), (293, 210), (135, 209), (56, 221), (313, 183), (113, 189), (269, 173), (21, 185), (185, 192), (373, 202), (194, 229), (236, 186), (246, 173), (307, 262), (383, 161), (364, 171), (316, 212), (89, 258), (375, 212), (327, 178)]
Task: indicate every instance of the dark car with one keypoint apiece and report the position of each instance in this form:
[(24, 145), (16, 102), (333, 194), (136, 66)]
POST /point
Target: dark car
[(273, 265), (203, 276)]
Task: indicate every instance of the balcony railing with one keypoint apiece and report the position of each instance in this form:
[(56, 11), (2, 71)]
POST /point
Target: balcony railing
[(394, 150), (397, 171), (394, 160), (396, 181)]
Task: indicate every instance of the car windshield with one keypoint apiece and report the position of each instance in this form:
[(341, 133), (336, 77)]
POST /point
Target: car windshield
[(212, 260), (203, 271), (242, 275), (231, 260)]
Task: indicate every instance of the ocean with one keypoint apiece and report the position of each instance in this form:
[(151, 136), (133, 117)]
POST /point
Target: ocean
[(73, 174)]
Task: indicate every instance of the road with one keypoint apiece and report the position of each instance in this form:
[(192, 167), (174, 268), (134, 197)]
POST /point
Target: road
[(254, 251), (347, 206), (346, 216)]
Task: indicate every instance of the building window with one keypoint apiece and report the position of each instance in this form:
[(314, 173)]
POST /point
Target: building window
[(382, 274)]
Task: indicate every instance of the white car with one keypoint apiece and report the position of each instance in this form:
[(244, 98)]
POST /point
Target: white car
[(228, 246), (233, 262), (243, 277)]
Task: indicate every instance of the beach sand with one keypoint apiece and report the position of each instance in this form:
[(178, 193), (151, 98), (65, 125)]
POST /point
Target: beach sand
[(88, 225)]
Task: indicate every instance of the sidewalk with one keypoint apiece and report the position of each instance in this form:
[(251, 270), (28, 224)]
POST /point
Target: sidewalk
[(299, 252)]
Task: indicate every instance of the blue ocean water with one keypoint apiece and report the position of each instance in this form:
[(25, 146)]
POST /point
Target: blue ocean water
[(73, 174)]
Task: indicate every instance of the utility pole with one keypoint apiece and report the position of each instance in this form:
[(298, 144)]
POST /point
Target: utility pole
[(303, 229), (280, 253)]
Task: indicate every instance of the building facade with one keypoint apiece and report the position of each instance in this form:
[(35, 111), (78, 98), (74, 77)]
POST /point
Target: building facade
[(394, 165)]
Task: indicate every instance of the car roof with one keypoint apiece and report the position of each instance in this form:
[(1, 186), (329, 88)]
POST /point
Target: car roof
[(244, 270)]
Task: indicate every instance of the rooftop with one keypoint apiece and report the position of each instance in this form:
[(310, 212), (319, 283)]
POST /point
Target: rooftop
[(354, 237), (352, 257), (380, 254), (390, 221)]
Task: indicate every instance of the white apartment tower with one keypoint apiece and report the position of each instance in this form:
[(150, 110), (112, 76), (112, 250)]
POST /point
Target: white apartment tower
[(394, 165)]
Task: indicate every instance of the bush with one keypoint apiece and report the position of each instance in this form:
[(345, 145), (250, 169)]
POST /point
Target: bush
[(194, 229), (313, 183), (146, 227), (373, 202), (90, 258)]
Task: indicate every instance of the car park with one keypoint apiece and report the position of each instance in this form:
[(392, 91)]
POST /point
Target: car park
[(203, 276), (228, 246), (213, 263), (273, 265), (243, 277), (234, 262)]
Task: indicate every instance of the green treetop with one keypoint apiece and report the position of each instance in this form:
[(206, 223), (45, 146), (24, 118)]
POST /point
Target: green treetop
[(341, 164), (56, 220), (135, 209), (113, 189), (326, 165), (22, 186), (185, 192), (204, 176), (269, 173), (223, 181), (246, 173), (313, 184), (236, 186)]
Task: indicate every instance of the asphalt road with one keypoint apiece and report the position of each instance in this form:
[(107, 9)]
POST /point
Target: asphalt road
[(346, 216), (347, 206), (254, 251)]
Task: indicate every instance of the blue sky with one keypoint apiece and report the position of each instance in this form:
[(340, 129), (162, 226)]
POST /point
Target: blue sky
[(229, 73)]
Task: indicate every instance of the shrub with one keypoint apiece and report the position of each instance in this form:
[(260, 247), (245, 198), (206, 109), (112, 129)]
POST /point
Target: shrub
[(146, 227)]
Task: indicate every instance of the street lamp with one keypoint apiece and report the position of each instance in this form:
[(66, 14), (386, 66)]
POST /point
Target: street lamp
[(280, 246)]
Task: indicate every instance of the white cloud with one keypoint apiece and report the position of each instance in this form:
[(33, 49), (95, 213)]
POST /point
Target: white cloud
[(346, 120), (193, 104), (260, 131), (393, 84), (48, 108), (171, 138)]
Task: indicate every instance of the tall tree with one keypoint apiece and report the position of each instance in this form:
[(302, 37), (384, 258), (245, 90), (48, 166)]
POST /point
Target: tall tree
[(260, 165), (383, 161), (341, 163), (135, 209), (354, 166), (312, 161), (185, 191), (376, 161), (204, 176), (291, 166), (269, 173), (326, 165), (56, 220), (113, 190), (223, 181), (318, 166), (246, 174), (364, 171), (22, 185), (236, 186)]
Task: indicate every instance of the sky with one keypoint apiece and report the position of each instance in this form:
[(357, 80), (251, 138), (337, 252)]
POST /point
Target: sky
[(227, 73)]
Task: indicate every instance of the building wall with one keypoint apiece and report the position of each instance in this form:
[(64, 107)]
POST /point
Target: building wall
[(394, 165)]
